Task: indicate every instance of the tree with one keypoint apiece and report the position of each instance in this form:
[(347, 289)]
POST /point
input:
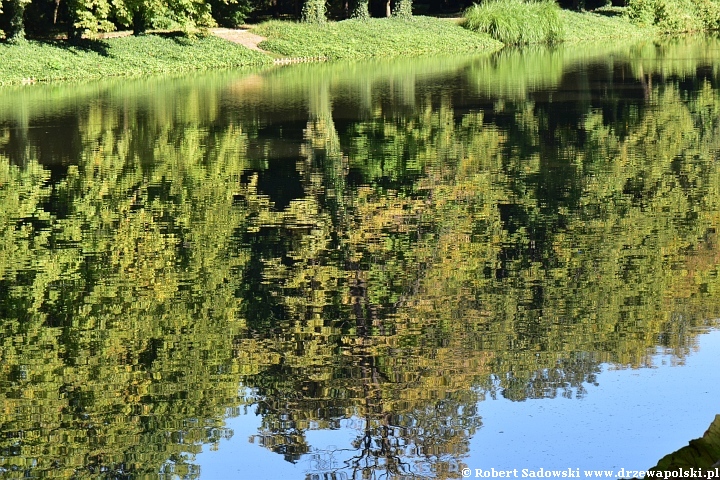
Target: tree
[(231, 13), (188, 16), (89, 17)]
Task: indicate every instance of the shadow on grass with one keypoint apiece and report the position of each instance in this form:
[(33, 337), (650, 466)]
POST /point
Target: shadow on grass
[(178, 37), (100, 47), (609, 11)]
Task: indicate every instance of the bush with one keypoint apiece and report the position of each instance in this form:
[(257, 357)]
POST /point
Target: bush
[(709, 13), (314, 11), (403, 9), (361, 11), (676, 15), (516, 22), (231, 13)]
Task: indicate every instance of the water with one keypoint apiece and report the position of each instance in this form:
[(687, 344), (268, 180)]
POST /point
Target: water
[(397, 268)]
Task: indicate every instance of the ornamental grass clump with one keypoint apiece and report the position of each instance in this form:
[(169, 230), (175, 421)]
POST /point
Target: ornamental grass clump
[(516, 22)]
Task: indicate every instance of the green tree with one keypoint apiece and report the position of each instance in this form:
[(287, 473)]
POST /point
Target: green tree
[(231, 13), (189, 16), (89, 17)]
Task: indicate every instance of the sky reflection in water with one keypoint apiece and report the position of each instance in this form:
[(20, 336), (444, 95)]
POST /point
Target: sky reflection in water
[(630, 419)]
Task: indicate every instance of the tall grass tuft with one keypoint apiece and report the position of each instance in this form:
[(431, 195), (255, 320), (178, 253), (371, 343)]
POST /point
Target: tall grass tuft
[(516, 22)]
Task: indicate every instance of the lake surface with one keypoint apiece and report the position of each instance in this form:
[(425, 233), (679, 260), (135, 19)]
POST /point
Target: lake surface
[(390, 269)]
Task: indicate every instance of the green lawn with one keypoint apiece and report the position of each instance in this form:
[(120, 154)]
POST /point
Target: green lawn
[(35, 61), (579, 27), (377, 37)]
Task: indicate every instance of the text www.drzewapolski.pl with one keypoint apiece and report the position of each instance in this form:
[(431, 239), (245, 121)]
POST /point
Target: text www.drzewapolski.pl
[(707, 474)]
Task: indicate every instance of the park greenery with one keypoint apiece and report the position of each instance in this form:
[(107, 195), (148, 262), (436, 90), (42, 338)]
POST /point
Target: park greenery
[(395, 265), (67, 35)]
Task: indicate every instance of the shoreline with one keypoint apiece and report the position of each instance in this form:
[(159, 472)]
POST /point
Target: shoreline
[(119, 54)]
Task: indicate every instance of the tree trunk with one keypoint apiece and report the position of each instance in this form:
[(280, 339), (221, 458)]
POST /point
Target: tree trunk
[(139, 23), (55, 12), (388, 12)]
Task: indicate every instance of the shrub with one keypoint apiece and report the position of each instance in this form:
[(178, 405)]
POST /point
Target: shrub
[(314, 11), (516, 22), (231, 13), (709, 13), (403, 9), (361, 10), (676, 15)]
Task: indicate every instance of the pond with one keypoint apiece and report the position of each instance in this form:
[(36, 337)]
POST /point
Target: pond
[(388, 269)]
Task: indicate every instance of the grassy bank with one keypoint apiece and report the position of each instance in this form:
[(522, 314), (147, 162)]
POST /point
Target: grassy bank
[(378, 37), (519, 22), (589, 27), (522, 22), (32, 61)]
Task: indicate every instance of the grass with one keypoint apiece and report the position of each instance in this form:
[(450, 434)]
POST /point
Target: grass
[(517, 22), (34, 61), (377, 37), (582, 27)]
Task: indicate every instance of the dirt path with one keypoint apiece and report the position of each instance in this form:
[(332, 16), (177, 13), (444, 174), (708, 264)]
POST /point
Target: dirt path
[(243, 37)]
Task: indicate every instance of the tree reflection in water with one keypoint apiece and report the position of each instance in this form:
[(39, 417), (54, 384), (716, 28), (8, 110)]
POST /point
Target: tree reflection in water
[(386, 245)]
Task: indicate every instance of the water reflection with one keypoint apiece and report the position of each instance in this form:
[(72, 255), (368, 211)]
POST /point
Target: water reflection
[(386, 243)]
